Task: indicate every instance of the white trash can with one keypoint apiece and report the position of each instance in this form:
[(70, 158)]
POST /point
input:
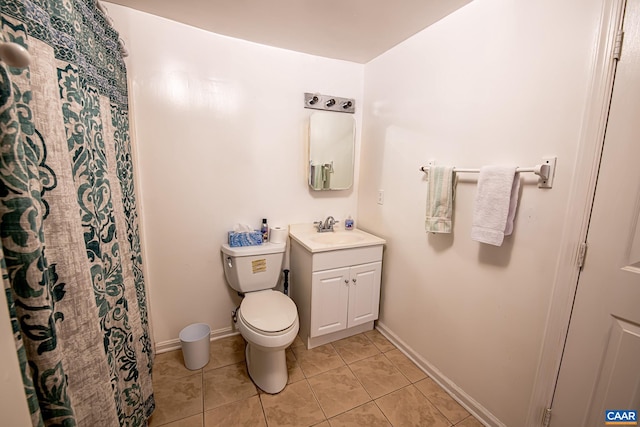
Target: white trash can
[(194, 340)]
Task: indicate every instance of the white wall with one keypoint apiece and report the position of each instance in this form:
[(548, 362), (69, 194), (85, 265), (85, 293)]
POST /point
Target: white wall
[(221, 135), (497, 82)]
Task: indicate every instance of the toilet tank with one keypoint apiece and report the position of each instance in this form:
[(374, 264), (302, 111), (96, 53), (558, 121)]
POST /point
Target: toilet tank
[(253, 268)]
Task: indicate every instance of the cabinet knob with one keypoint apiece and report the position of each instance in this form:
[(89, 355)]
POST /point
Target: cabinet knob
[(354, 281), (346, 281)]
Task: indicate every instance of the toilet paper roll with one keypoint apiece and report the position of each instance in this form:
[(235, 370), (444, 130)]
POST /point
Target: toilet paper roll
[(278, 234)]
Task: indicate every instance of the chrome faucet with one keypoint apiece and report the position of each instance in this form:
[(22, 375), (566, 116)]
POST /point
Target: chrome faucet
[(326, 225), (329, 222)]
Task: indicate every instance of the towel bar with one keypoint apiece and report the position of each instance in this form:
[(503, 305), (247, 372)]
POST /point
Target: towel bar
[(545, 171)]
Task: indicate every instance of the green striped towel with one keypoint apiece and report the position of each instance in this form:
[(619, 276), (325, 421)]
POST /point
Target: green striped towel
[(440, 199)]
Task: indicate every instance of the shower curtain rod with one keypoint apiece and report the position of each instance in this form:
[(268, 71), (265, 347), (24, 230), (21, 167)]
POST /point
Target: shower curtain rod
[(545, 171)]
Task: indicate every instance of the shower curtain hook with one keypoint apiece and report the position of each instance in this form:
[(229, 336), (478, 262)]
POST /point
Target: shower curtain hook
[(14, 55)]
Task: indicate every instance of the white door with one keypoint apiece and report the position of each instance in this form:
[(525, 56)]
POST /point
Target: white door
[(600, 368), (364, 293), (329, 297)]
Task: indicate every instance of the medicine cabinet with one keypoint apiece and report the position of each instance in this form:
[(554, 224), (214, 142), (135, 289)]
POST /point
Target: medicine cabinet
[(331, 150)]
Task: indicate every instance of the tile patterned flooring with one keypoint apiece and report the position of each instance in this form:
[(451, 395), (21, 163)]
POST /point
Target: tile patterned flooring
[(362, 380)]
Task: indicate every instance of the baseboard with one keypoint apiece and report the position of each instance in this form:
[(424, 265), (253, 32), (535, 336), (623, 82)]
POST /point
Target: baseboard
[(474, 408), (169, 345), (335, 336)]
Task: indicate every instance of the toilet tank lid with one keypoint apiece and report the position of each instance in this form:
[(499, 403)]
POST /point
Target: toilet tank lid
[(263, 249)]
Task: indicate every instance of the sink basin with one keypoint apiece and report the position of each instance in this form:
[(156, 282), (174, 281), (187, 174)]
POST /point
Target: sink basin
[(337, 238), (309, 238)]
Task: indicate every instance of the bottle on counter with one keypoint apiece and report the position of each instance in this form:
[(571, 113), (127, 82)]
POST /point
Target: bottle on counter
[(264, 229), (348, 223)]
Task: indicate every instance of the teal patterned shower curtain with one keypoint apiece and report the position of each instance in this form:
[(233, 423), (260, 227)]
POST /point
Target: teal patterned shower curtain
[(70, 246)]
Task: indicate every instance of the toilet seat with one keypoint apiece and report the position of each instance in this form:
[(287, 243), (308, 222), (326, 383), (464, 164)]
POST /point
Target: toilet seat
[(268, 312)]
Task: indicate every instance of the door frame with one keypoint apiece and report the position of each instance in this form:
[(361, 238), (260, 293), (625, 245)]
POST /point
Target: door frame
[(578, 212)]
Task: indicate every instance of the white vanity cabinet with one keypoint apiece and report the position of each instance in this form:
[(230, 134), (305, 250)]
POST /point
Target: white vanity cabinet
[(344, 297), (337, 292)]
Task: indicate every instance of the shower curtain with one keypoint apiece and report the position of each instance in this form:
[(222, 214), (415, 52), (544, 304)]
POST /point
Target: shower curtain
[(70, 246)]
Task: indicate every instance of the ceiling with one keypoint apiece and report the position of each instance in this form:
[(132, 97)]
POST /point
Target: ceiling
[(352, 30)]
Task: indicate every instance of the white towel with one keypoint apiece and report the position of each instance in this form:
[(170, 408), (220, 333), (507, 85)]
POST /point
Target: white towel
[(495, 204), (513, 204), (440, 199)]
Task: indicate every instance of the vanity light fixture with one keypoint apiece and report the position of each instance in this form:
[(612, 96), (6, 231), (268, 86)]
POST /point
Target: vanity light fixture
[(329, 103)]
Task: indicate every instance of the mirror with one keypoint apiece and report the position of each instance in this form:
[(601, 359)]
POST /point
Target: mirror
[(331, 151)]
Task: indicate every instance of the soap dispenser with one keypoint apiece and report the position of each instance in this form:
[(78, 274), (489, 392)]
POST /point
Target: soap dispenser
[(348, 223)]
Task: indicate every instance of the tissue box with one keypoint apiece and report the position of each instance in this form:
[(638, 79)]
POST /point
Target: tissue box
[(245, 238)]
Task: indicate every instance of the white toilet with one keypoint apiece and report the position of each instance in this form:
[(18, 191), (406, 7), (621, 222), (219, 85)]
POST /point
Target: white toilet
[(266, 318)]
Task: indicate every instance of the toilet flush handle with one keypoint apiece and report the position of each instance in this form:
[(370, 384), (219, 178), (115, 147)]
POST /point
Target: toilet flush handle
[(229, 263)]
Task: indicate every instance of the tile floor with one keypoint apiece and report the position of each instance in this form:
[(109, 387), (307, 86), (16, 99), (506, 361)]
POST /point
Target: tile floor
[(358, 381)]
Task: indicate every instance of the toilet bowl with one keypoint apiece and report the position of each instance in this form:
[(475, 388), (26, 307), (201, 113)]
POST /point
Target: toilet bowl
[(266, 318), (268, 321)]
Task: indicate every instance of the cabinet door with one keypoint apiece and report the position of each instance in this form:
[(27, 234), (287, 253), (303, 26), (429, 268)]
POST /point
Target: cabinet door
[(364, 293), (329, 299)]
